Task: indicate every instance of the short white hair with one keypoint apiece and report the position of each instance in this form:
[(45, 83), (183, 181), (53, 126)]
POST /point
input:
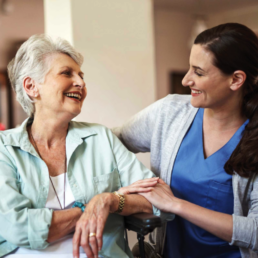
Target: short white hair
[(30, 61)]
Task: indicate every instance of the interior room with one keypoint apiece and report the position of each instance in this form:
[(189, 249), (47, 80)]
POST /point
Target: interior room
[(135, 52)]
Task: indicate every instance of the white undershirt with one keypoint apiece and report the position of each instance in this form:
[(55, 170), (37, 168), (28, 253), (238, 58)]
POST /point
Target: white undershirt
[(52, 201), (62, 248)]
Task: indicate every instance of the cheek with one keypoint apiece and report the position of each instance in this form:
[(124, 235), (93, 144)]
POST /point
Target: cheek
[(85, 93)]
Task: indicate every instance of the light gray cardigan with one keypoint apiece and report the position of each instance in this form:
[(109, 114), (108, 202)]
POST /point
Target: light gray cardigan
[(160, 129)]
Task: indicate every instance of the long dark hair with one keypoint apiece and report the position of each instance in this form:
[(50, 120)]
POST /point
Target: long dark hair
[(235, 47)]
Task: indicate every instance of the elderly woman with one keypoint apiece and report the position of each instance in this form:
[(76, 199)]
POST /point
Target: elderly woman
[(204, 147), (58, 176)]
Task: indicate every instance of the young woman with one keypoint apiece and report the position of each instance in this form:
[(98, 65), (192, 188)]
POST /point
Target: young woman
[(204, 147)]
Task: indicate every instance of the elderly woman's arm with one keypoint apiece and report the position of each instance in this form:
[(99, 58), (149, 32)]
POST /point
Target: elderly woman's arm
[(94, 218), (129, 170), (63, 223), (22, 224)]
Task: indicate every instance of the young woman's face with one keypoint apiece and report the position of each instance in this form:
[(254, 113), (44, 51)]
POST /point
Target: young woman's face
[(210, 88), (63, 90)]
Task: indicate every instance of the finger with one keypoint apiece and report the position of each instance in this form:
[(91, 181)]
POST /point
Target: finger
[(99, 235), (85, 242), (162, 182), (93, 239), (145, 183), (76, 243), (143, 190), (147, 180)]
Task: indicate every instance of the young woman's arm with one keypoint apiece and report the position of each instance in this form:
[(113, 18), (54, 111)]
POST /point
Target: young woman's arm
[(217, 223)]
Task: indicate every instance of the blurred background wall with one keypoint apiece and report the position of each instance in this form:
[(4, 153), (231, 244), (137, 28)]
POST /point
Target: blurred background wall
[(135, 51)]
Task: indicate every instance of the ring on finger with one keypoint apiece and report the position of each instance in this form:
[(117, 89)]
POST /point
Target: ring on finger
[(92, 234)]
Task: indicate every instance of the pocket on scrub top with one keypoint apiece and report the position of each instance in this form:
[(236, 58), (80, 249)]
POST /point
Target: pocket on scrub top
[(107, 182), (220, 197)]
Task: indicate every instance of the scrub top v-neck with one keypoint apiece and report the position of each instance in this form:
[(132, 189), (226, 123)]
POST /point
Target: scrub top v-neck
[(203, 182)]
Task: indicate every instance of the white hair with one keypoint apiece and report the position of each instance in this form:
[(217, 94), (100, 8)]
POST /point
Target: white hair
[(30, 61)]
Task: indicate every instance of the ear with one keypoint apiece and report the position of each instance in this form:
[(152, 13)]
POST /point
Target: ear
[(30, 87), (238, 79)]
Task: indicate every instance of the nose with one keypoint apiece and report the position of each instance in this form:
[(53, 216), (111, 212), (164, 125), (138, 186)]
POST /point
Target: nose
[(79, 82), (187, 80)]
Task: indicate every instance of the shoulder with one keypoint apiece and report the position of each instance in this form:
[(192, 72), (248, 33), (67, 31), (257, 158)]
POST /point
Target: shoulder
[(11, 136), (177, 101), (88, 126), (85, 128), (175, 106)]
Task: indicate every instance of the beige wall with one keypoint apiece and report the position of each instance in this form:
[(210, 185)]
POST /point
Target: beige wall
[(247, 16), (172, 34), (116, 39), (26, 19)]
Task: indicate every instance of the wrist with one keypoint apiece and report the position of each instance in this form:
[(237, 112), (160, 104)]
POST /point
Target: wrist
[(177, 206), (79, 205), (113, 202)]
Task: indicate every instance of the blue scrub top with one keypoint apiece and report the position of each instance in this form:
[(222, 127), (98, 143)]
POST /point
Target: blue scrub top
[(203, 182)]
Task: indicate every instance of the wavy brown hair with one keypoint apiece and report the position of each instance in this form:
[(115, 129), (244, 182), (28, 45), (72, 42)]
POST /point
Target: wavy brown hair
[(235, 47)]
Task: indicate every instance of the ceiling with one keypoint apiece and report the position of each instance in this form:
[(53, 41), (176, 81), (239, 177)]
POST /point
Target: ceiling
[(204, 7)]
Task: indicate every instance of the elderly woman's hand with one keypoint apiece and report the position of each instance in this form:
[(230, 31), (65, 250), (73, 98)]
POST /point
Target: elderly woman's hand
[(92, 221), (140, 186)]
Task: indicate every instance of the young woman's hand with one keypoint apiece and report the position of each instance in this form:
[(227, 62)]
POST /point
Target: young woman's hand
[(142, 186), (162, 197)]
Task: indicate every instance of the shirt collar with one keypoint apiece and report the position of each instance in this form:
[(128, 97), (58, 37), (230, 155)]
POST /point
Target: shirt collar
[(18, 137)]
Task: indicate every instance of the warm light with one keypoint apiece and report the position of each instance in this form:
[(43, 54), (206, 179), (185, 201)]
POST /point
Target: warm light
[(198, 27)]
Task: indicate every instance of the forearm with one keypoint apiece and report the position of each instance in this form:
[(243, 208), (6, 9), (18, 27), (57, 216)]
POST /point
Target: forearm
[(134, 203), (63, 223), (217, 223)]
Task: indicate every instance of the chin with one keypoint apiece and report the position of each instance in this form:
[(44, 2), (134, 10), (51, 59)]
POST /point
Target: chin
[(199, 103), (195, 103)]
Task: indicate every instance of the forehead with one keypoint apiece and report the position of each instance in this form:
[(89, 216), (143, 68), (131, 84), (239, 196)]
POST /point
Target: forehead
[(201, 57), (56, 61)]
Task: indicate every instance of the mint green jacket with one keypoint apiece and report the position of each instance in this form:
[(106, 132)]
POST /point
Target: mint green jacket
[(97, 162)]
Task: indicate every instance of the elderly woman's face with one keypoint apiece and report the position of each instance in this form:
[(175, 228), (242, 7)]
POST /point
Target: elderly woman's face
[(63, 90)]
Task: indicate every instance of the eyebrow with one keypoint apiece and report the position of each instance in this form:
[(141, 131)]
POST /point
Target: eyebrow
[(197, 67), (80, 73)]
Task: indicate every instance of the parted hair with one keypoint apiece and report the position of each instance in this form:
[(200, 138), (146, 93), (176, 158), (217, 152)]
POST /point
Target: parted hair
[(235, 47), (31, 61)]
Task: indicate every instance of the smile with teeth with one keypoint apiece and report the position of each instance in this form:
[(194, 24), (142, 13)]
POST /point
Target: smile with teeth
[(196, 91), (73, 95)]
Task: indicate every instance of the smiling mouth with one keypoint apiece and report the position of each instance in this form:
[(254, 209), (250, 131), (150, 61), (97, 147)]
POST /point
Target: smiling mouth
[(73, 95), (196, 91)]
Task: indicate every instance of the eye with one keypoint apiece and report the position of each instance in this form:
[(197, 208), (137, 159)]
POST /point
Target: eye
[(66, 72), (198, 74)]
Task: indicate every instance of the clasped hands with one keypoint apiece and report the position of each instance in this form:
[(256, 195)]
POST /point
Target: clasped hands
[(89, 228), (155, 190)]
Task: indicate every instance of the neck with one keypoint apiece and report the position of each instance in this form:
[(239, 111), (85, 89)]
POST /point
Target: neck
[(224, 118), (49, 132)]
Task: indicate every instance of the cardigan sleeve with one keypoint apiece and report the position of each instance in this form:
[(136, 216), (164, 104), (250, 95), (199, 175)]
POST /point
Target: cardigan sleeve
[(20, 223), (245, 228), (137, 132)]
